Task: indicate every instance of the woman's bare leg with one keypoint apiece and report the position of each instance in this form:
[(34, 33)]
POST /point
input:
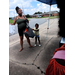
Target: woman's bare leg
[(28, 40), (21, 43)]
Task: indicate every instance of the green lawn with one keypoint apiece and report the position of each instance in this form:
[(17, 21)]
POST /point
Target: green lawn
[(11, 21), (52, 17)]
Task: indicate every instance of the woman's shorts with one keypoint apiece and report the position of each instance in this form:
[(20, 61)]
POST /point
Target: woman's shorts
[(20, 31)]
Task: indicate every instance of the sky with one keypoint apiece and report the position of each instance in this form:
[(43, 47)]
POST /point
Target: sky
[(29, 7)]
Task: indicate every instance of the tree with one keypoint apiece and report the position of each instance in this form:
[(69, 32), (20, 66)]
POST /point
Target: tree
[(28, 16), (38, 12)]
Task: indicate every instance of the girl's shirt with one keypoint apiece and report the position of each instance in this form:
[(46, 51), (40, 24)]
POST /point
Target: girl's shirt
[(36, 32)]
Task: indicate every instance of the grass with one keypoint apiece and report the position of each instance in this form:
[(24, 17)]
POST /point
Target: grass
[(52, 17), (11, 21)]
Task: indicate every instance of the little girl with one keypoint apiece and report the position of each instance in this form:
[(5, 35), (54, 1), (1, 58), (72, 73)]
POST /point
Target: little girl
[(36, 32)]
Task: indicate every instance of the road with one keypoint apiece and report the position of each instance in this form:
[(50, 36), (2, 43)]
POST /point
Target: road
[(34, 21), (13, 29), (33, 61)]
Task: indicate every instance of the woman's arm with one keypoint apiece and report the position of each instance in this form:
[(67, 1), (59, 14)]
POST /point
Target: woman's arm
[(14, 21)]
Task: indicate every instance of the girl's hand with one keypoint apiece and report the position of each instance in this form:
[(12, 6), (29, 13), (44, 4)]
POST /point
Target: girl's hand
[(32, 28)]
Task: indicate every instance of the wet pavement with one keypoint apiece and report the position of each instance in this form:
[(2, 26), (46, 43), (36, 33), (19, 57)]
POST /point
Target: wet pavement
[(33, 61)]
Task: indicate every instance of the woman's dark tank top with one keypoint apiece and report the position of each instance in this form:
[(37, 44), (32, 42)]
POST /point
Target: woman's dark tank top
[(21, 23)]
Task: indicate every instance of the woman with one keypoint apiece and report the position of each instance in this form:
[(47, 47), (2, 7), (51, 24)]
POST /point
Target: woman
[(21, 21)]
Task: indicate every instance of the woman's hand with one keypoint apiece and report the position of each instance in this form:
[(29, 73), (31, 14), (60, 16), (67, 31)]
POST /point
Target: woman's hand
[(9, 23), (14, 21), (26, 18)]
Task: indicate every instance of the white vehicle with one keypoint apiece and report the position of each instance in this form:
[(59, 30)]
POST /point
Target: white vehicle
[(39, 16)]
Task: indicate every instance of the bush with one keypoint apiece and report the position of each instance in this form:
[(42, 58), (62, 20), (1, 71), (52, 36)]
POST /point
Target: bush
[(28, 16)]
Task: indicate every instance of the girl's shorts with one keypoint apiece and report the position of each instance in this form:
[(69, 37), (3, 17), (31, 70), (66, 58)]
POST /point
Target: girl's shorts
[(37, 36)]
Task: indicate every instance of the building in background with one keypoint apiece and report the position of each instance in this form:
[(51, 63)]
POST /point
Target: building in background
[(46, 14)]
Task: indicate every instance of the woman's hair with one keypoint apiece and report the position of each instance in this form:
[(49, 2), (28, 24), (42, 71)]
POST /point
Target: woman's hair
[(17, 8)]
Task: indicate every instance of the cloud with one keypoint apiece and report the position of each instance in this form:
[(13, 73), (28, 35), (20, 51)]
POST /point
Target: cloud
[(38, 4), (20, 3), (45, 7), (54, 8), (30, 8)]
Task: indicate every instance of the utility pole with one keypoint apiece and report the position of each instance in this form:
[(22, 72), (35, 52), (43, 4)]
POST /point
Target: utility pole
[(23, 10)]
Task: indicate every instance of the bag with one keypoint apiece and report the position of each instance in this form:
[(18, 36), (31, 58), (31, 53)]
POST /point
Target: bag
[(29, 33), (27, 23)]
